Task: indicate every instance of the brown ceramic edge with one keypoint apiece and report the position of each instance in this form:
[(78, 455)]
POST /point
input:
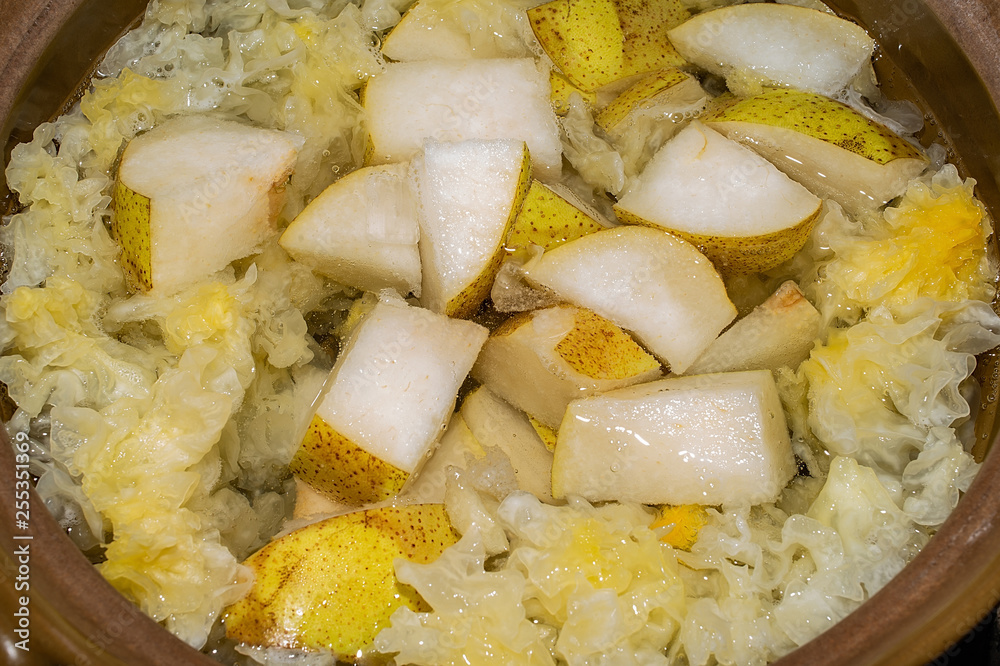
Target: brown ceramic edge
[(978, 21), (955, 580), (91, 617), (86, 603), (31, 26)]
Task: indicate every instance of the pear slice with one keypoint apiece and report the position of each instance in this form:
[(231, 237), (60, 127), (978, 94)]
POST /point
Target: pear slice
[(449, 30), (424, 34), (387, 401), (470, 194), (511, 292), (331, 587), (541, 361), (654, 285), (645, 25), (456, 447), (562, 88), (455, 101), (666, 92), (827, 146), (583, 38), (548, 218), (193, 195), (780, 332), (548, 435), (764, 44), (709, 439), (312, 505), (494, 423), (744, 214), (361, 231)]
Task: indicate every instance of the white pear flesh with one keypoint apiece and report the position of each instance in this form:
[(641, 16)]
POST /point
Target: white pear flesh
[(716, 439), (654, 285), (446, 30), (780, 332), (457, 446), (827, 146), (495, 423), (667, 93), (312, 505), (763, 44), (542, 361), (455, 101), (470, 193), (196, 193), (737, 207), (512, 293), (424, 34), (361, 231), (387, 401)]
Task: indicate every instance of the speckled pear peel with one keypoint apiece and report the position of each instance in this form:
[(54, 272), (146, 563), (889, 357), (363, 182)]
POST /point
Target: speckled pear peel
[(330, 586), (546, 219)]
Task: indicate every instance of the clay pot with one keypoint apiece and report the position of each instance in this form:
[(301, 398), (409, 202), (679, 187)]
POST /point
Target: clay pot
[(950, 50)]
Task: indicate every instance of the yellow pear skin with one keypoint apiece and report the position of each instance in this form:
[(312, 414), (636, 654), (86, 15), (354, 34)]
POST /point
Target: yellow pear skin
[(584, 39), (330, 586), (816, 116), (130, 225), (548, 435), (341, 470), (547, 220), (742, 255), (644, 27), (562, 89), (599, 349)]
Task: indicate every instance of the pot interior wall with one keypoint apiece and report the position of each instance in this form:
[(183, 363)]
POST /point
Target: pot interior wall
[(52, 58)]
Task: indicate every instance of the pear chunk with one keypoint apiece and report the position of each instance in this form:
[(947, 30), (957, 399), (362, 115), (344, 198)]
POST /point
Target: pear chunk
[(541, 361), (780, 332), (457, 446), (667, 92), (361, 231), (331, 587), (827, 146), (448, 30), (583, 38), (470, 194), (658, 287), (708, 439), (645, 25), (454, 101), (743, 213), (562, 89), (549, 218), (764, 44), (423, 34), (494, 423), (596, 43), (194, 194), (387, 401)]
